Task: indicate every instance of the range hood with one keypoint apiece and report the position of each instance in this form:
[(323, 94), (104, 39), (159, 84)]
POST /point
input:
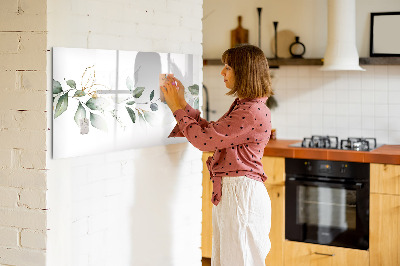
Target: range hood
[(341, 51)]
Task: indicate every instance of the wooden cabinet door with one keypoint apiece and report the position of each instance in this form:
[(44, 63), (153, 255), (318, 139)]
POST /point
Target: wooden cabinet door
[(274, 168), (385, 178), (206, 226), (384, 236), (277, 233), (305, 254)]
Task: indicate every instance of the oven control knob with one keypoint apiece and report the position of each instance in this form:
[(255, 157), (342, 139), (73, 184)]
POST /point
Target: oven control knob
[(308, 166), (343, 168)]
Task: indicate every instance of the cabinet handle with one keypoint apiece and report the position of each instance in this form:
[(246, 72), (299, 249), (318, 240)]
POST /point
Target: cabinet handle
[(325, 254)]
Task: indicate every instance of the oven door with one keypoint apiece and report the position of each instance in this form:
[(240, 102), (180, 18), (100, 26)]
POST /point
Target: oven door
[(327, 213)]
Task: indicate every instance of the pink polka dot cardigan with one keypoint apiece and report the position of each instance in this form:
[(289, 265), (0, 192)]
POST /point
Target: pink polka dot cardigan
[(238, 139)]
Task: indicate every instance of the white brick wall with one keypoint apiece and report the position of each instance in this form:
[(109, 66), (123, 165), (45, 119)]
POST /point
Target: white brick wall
[(23, 128), (134, 207)]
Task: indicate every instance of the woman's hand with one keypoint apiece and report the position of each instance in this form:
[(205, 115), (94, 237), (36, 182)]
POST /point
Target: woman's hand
[(172, 95), (181, 92)]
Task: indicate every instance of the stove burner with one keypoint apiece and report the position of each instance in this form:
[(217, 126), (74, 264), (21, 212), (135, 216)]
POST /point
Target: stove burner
[(328, 142), (358, 144), (332, 142)]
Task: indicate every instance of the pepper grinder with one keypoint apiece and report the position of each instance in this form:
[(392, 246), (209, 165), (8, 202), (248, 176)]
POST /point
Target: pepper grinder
[(259, 26), (276, 38)]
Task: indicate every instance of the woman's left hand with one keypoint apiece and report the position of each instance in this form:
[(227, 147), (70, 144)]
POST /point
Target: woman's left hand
[(171, 95)]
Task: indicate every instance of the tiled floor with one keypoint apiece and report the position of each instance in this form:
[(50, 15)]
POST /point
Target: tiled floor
[(206, 261)]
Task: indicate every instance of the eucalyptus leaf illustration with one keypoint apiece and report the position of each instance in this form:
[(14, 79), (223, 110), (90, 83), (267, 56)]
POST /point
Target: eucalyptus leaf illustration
[(194, 89), (62, 105), (129, 83), (88, 82), (98, 103), (71, 83), (88, 78), (79, 114), (152, 96), (98, 122), (154, 107), (150, 118), (130, 103), (79, 93), (57, 88), (138, 92), (131, 114), (196, 103), (141, 119)]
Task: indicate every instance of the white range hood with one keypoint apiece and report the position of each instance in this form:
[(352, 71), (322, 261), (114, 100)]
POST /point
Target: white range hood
[(341, 51)]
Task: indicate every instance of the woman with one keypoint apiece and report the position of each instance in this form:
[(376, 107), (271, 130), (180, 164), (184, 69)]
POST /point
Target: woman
[(241, 213)]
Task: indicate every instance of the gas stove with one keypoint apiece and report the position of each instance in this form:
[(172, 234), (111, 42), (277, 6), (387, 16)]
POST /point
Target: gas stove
[(332, 142)]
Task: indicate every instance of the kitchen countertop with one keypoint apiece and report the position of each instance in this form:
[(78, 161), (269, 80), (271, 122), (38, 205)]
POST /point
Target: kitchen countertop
[(389, 154)]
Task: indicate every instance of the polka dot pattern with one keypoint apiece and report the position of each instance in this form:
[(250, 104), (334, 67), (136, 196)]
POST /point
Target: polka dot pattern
[(238, 139)]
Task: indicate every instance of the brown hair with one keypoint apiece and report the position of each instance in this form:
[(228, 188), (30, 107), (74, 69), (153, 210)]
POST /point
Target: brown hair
[(250, 66)]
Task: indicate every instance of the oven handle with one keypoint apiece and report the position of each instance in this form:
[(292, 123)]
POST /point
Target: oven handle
[(357, 185)]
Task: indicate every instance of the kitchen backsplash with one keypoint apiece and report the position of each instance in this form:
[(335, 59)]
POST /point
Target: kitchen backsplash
[(314, 102)]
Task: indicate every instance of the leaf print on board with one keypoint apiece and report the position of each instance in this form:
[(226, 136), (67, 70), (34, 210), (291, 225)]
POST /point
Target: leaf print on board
[(142, 121), (194, 89), (57, 88), (151, 118), (129, 83), (132, 114), (131, 110), (79, 114), (88, 78), (71, 83), (138, 92), (97, 103), (98, 122), (154, 107), (79, 93), (62, 105), (196, 103)]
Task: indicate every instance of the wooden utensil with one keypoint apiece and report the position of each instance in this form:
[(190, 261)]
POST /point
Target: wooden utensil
[(239, 35)]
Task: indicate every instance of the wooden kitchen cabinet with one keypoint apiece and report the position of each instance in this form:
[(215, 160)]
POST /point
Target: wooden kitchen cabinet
[(206, 225), (385, 178), (384, 236), (306, 254), (274, 168), (277, 233)]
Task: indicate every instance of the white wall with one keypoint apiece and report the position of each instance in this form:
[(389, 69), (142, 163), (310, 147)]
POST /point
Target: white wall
[(344, 103), (133, 207), (305, 18), (311, 102), (23, 133)]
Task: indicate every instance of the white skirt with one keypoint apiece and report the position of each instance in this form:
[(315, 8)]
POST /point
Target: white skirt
[(241, 223)]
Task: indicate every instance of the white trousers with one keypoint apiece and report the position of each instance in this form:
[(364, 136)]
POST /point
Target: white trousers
[(241, 223)]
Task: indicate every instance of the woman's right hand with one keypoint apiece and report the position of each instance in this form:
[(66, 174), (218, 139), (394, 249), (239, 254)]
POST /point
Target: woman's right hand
[(181, 91)]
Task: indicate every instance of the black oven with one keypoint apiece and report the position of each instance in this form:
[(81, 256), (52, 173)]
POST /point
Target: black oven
[(327, 202)]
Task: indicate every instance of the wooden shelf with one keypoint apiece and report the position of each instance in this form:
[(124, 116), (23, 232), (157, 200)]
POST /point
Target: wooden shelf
[(295, 62), (380, 61), (273, 63)]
